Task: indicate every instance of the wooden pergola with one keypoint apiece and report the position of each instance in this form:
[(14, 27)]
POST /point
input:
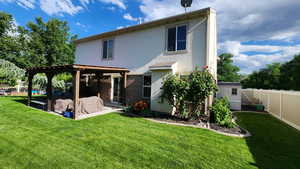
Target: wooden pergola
[(76, 70)]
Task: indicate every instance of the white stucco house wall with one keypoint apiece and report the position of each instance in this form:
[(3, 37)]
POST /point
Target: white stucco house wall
[(151, 50)]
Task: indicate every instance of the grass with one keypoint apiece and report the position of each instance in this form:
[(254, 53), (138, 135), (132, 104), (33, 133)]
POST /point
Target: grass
[(31, 138)]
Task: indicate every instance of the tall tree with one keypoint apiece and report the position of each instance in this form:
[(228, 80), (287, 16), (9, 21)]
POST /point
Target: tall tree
[(50, 43), (290, 74), (227, 72), (6, 22), (8, 41), (266, 78)]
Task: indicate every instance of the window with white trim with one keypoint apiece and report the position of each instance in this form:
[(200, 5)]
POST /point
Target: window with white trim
[(234, 91), (176, 38), (147, 86), (107, 49)]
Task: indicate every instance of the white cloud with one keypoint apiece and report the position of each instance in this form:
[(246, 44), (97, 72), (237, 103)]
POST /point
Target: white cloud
[(111, 8), (27, 4), (84, 2), (80, 25), (119, 3), (120, 27), (8, 1), (52, 7), (127, 16), (240, 20), (59, 7), (264, 54)]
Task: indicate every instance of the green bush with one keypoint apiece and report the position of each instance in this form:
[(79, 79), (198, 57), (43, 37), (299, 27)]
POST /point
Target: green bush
[(66, 77), (174, 91), (187, 94), (40, 82), (222, 114)]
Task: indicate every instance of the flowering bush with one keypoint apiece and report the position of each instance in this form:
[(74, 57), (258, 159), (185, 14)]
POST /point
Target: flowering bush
[(140, 106)]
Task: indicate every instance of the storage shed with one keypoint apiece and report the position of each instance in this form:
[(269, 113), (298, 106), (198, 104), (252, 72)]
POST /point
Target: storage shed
[(231, 90)]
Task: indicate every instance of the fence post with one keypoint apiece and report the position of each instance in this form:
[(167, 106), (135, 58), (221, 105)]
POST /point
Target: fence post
[(268, 102), (280, 105)]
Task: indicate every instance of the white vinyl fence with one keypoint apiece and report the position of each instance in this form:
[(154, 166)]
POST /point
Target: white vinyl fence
[(285, 105)]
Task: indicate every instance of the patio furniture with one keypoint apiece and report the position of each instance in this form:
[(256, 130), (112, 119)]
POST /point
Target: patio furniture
[(43, 104)]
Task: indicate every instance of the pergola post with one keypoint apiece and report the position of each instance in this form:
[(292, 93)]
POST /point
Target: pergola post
[(76, 88), (29, 89), (49, 91), (98, 76), (124, 86)]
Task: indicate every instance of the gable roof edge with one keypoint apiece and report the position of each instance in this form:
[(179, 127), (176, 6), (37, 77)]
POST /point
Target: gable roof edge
[(185, 16)]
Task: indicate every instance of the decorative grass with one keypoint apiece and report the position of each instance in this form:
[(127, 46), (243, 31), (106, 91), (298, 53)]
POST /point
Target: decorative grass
[(31, 138)]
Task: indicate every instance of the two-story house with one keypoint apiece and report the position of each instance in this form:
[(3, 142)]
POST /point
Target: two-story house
[(151, 50)]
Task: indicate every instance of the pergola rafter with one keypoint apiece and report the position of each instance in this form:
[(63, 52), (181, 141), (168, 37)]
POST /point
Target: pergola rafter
[(76, 71)]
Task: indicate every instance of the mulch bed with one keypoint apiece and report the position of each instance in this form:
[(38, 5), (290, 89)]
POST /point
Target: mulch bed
[(234, 130), (198, 123)]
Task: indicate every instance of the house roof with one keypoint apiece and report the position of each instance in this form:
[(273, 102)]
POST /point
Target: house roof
[(230, 83), (69, 68), (147, 25)]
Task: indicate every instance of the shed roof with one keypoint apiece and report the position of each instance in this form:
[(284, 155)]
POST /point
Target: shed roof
[(230, 83), (146, 25)]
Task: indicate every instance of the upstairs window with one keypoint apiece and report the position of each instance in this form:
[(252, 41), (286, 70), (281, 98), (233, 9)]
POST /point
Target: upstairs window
[(107, 52), (176, 38)]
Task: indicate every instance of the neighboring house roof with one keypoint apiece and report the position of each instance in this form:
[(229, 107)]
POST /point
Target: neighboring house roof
[(230, 83), (147, 25)]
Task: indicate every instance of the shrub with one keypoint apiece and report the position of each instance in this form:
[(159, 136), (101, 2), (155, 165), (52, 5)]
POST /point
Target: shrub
[(201, 85), (187, 95), (174, 90), (10, 73), (128, 109), (140, 106), (40, 82), (222, 113)]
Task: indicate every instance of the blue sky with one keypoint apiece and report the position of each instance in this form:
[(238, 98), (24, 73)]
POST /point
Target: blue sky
[(257, 32)]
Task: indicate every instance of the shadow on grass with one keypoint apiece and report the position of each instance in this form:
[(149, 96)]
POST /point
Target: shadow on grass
[(273, 144), (23, 100)]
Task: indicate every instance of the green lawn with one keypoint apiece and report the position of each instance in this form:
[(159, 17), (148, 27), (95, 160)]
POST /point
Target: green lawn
[(31, 138)]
